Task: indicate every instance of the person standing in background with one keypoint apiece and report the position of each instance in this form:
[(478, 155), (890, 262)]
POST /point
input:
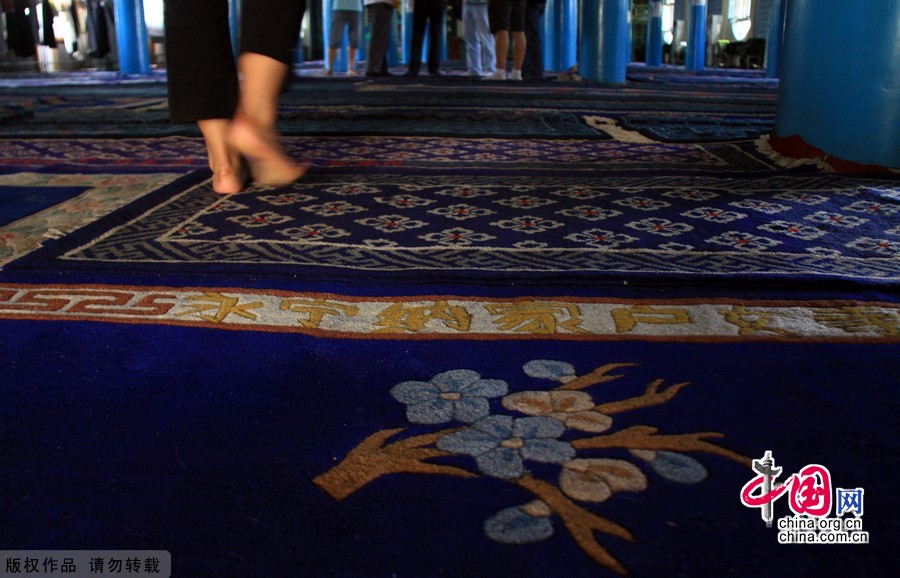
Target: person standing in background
[(480, 57), (349, 13), (533, 65), (433, 13), (508, 16), (381, 13), (237, 119)]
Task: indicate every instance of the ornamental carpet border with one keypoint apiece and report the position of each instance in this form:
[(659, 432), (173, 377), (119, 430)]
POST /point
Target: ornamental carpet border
[(787, 226), (458, 318)]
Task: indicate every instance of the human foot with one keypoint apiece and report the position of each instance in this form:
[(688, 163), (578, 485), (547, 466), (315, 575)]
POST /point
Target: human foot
[(268, 163), (228, 180)]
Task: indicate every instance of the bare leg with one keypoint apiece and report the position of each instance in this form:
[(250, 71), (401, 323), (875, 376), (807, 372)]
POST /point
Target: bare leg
[(351, 61), (519, 46), (252, 131), (332, 55), (501, 39), (229, 173)]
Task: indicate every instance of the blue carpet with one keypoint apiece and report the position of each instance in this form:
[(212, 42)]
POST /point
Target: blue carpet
[(18, 202), (386, 369), (211, 444)]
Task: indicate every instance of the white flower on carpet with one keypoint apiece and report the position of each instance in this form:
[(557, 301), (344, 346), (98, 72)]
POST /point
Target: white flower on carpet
[(333, 209), (466, 192), (659, 226), (457, 237), (529, 225), (391, 223), (797, 230), (744, 241), (585, 193), (714, 214), (642, 203), (589, 212), (350, 189), (761, 206), (404, 201), (601, 238), (836, 219), (879, 246), (262, 219), (313, 232), (873, 207), (691, 194), (285, 198), (461, 212), (801, 197), (524, 202)]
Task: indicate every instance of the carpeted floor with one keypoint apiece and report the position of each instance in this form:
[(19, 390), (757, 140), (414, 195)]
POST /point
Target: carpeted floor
[(499, 330)]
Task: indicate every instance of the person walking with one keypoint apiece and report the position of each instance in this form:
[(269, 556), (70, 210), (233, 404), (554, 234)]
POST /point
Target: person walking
[(237, 118)]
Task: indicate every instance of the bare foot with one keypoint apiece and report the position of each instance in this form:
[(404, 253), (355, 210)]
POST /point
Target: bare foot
[(227, 181), (268, 163)]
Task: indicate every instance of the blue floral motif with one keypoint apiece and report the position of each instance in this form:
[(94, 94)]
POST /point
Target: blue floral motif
[(678, 467), (547, 369), (500, 444), (460, 394), (519, 525)]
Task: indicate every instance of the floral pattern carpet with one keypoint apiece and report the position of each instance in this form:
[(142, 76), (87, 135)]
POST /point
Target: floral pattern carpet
[(444, 354)]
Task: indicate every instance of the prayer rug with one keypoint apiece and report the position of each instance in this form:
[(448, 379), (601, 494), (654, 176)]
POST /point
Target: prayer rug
[(399, 223)]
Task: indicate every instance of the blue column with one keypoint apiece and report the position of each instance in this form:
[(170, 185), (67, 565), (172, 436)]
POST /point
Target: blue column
[(131, 36), (695, 56), (604, 40), (564, 21), (840, 79), (654, 34), (776, 39), (340, 63), (628, 28), (551, 44), (234, 20), (406, 28)]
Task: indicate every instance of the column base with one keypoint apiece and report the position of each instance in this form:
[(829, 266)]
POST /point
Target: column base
[(796, 147)]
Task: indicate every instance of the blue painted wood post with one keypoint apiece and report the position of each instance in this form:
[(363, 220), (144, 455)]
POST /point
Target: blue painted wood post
[(628, 29), (653, 56), (776, 38), (131, 37), (695, 56), (840, 79), (564, 21), (406, 30), (340, 63), (550, 43), (234, 21), (604, 40)]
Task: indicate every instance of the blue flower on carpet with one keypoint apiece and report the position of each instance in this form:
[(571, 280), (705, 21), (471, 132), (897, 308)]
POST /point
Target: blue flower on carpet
[(520, 524), (500, 444), (460, 395), (549, 369)]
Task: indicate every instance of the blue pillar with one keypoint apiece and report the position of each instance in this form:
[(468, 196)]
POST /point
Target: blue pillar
[(550, 42), (695, 56), (604, 40), (406, 28), (340, 63), (234, 21), (563, 19), (776, 39), (131, 36), (628, 47), (840, 79), (654, 34)]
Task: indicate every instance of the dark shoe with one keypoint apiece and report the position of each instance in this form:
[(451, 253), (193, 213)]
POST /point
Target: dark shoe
[(435, 72), (411, 73), (378, 74)]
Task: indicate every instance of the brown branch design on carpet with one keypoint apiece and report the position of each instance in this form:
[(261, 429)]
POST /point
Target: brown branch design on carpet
[(501, 444)]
